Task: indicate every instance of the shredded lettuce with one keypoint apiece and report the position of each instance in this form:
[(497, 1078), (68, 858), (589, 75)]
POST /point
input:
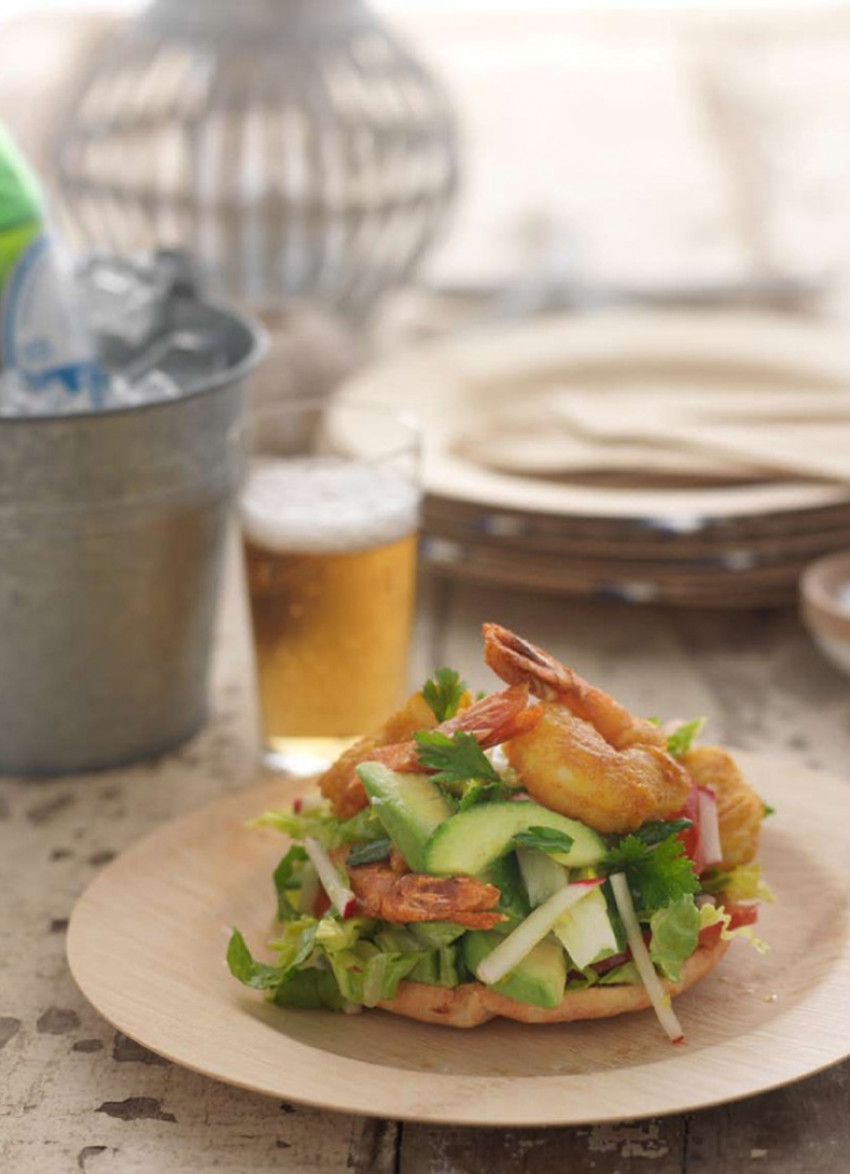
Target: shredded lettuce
[(333, 934), (311, 990), (716, 915), (367, 975), (675, 934), (321, 824), (679, 740), (242, 965), (743, 883), (287, 881)]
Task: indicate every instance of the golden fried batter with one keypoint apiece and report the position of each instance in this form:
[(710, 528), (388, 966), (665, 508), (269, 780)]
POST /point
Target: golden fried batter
[(739, 809)]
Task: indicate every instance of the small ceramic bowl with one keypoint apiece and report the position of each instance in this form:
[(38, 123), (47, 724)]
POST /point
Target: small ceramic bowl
[(825, 606)]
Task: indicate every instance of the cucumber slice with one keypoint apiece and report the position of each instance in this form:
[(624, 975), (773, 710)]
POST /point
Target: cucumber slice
[(541, 875), (472, 840), (409, 806)]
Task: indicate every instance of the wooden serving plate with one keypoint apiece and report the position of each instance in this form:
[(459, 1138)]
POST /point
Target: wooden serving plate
[(147, 940)]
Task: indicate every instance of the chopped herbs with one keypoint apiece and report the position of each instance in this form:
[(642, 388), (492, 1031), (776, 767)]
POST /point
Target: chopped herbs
[(543, 839), (455, 759), (655, 830), (443, 693), (369, 853)]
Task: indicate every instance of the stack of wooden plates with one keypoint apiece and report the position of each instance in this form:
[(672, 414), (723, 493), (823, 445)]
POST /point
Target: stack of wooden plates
[(699, 459)]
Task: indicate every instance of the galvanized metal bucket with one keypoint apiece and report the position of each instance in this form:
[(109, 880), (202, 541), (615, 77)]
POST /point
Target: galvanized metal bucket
[(112, 532)]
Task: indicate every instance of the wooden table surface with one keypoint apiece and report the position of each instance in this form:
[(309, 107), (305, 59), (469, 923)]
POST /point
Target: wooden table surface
[(76, 1095)]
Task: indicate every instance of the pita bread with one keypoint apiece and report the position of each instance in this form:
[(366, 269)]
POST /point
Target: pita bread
[(473, 1003)]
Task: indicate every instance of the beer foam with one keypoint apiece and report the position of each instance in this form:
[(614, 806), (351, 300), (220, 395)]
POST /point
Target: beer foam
[(322, 505)]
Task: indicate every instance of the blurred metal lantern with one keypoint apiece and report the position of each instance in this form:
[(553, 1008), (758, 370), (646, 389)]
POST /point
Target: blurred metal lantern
[(293, 145)]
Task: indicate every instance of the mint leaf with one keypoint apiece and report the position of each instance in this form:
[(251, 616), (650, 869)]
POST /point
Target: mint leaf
[(544, 839), (287, 877), (369, 853), (679, 742), (455, 759), (443, 693)]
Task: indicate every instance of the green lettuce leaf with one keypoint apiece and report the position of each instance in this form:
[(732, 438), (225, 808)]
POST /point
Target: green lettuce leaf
[(367, 975), (333, 934), (322, 825), (287, 880), (675, 933), (710, 915), (296, 942), (242, 965), (311, 990), (679, 742)]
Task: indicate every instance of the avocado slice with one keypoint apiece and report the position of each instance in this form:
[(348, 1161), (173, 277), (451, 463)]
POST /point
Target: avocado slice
[(409, 806), (589, 932), (472, 840), (539, 979)]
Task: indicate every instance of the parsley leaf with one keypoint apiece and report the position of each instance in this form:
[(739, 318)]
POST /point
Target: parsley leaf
[(544, 839), (456, 759), (679, 742), (443, 693), (767, 810), (658, 875), (369, 853)]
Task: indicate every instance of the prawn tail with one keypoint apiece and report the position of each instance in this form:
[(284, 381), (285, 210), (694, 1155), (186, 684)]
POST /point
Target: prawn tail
[(517, 660), (496, 718)]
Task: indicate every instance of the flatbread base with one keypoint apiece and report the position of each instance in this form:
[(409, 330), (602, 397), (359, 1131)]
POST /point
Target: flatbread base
[(473, 1003)]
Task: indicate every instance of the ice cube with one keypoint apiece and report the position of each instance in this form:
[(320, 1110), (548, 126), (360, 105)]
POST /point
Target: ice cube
[(188, 356), (126, 302), (153, 387), (19, 398)]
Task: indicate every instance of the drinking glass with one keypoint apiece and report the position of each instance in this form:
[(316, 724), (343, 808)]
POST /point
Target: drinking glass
[(329, 514)]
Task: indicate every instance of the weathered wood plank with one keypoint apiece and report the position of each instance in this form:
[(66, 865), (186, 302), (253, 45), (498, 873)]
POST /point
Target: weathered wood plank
[(652, 1147), (802, 1129)]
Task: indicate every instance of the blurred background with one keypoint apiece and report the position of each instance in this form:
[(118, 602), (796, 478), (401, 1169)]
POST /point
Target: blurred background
[(367, 176)]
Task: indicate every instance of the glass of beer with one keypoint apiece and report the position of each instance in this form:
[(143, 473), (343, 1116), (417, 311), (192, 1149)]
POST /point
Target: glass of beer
[(329, 513)]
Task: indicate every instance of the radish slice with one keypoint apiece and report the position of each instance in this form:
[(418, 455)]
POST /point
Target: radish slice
[(511, 951), (710, 849), (661, 1001), (341, 896), (306, 804)]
